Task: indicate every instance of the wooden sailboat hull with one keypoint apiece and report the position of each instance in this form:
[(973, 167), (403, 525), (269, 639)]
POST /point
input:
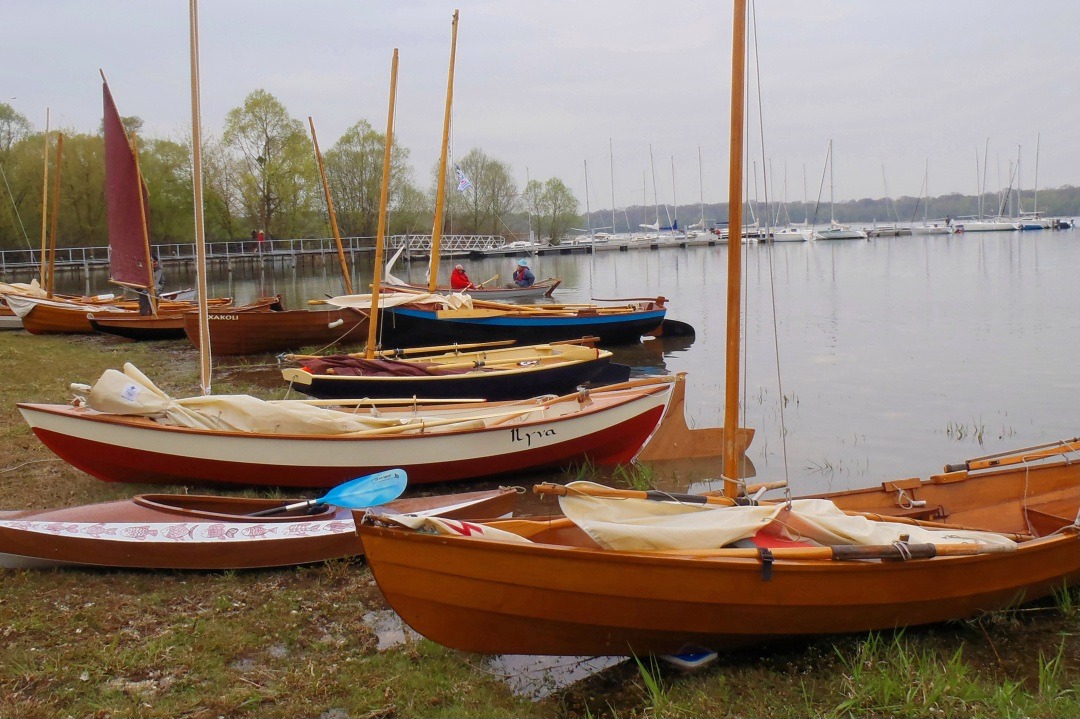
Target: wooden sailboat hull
[(561, 596), (8, 319), (58, 318), (493, 598), (241, 333), (542, 288), (141, 327), (609, 428), (178, 531), (510, 373), (410, 327), (168, 324)]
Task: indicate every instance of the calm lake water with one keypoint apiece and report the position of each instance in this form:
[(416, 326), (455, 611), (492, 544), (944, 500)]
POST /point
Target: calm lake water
[(896, 355)]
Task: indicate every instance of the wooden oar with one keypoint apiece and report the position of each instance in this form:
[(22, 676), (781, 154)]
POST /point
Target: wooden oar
[(390, 354), (493, 279), (1025, 455), (367, 491), (611, 493), (404, 401), (847, 552)]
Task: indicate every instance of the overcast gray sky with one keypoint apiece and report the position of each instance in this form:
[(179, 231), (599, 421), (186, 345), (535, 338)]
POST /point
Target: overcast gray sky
[(544, 85)]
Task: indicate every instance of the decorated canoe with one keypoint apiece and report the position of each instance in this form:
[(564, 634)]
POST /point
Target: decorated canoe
[(187, 531)]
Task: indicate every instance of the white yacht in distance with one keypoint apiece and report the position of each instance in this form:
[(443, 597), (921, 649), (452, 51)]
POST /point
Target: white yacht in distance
[(990, 224), (835, 230), (839, 232)]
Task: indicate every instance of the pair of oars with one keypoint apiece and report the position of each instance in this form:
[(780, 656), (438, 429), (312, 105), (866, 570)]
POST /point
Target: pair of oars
[(368, 491)]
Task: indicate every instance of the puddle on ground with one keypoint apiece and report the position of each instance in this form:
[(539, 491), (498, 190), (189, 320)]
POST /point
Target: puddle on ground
[(527, 676), (539, 677), (389, 629)]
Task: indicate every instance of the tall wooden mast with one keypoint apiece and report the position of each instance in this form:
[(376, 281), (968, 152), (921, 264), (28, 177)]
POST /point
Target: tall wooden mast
[(330, 210), (440, 193), (380, 238), (735, 222), (197, 189)]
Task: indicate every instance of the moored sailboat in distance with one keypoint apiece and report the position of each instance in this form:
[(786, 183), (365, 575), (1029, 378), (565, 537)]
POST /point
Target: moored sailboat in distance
[(836, 231)]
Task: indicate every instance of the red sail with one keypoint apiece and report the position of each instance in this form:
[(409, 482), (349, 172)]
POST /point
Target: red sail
[(128, 257)]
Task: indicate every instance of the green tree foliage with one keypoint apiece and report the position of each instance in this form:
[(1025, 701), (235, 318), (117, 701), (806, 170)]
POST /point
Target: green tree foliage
[(354, 167), (553, 207), (485, 207), (166, 170), (82, 221), (13, 128), (277, 179)]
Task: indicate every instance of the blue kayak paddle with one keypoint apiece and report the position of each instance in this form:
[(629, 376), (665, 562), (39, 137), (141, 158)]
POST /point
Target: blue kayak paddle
[(367, 491)]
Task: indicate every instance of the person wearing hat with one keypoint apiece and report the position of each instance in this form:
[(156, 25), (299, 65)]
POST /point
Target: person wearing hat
[(459, 280), (523, 276), (145, 305)]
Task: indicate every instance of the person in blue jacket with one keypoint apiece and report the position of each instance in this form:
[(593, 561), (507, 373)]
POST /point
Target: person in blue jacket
[(523, 276)]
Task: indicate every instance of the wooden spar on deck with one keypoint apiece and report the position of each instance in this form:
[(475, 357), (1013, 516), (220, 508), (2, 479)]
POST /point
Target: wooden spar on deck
[(436, 231), (197, 187), (330, 209), (734, 288), (151, 286), (373, 318)]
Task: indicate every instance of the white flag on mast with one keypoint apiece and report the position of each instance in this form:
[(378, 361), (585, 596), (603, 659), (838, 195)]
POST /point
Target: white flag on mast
[(463, 182)]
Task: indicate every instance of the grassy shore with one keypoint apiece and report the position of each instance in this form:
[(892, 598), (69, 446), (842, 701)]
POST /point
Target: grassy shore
[(294, 643)]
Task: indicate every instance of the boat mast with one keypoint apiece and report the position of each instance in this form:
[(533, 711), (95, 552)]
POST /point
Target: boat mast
[(380, 236), (655, 201), (611, 163), (330, 209), (832, 201), (50, 285), (734, 284), (436, 231), (701, 189), (674, 199), (44, 209), (197, 190), (1038, 139)]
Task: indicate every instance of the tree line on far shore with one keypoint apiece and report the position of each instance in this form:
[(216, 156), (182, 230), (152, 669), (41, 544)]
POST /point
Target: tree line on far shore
[(260, 173)]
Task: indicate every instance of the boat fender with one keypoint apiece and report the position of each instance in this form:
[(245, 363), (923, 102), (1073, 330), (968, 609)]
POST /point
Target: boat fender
[(766, 556), (336, 323)]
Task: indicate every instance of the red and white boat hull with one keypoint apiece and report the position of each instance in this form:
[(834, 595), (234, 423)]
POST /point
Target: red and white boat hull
[(608, 430)]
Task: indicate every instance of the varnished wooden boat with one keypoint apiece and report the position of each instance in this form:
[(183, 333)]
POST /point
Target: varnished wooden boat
[(538, 290), (494, 374), (186, 531), (8, 319), (246, 332), (168, 325), (437, 443), (563, 594), (410, 326)]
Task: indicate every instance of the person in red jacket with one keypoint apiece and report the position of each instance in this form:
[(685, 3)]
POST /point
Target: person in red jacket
[(459, 280)]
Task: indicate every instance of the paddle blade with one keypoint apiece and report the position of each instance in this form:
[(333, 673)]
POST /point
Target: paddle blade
[(368, 491)]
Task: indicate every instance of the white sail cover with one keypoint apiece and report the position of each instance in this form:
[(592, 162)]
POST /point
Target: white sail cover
[(131, 393), (22, 305), (30, 289), (644, 525), (453, 301)]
